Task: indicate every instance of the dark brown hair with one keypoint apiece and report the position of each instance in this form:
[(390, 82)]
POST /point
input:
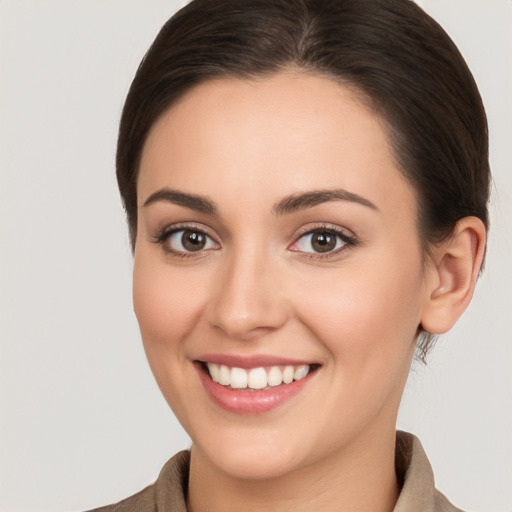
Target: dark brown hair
[(401, 61)]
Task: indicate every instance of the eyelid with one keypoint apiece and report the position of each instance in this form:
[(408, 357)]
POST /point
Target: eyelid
[(348, 238), (163, 234), (311, 227)]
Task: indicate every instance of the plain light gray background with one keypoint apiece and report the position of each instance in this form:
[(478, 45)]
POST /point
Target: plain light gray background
[(82, 421)]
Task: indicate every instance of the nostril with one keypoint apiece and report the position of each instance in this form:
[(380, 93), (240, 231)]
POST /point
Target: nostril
[(244, 333)]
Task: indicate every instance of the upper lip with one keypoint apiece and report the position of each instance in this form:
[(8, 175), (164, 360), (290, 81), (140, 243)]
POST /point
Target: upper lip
[(253, 361)]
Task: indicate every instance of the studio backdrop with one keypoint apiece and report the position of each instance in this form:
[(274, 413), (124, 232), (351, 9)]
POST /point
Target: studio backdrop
[(82, 422)]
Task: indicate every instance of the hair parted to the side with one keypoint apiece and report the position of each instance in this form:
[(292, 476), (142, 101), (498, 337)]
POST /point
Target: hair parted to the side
[(399, 59)]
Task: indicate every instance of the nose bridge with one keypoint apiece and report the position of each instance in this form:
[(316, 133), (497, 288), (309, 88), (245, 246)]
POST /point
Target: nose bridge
[(247, 303)]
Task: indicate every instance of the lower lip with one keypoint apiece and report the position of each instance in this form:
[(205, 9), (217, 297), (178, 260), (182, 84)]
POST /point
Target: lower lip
[(250, 402)]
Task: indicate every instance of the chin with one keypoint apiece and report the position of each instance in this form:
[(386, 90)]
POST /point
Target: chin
[(258, 465), (257, 456)]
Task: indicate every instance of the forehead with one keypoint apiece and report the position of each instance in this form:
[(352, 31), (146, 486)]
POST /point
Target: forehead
[(275, 135)]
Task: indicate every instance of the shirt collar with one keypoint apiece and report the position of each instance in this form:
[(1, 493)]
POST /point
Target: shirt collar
[(413, 470)]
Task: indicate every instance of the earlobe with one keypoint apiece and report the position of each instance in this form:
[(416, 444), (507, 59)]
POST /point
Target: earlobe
[(455, 267)]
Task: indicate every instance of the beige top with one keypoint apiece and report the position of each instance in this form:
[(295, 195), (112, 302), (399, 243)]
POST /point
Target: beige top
[(418, 493)]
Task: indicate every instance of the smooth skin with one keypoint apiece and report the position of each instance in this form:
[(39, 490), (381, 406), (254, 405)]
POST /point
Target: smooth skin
[(259, 285)]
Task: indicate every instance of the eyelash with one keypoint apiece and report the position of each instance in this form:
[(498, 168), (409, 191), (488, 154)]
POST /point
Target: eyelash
[(347, 240), (163, 237)]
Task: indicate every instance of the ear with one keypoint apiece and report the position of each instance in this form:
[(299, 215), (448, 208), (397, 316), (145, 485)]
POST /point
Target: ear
[(452, 277)]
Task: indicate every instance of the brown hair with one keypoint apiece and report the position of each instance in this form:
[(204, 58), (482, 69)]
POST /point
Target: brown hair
[(404, 64)]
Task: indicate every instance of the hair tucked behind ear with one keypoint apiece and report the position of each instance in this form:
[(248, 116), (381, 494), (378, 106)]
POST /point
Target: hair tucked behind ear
[(402, 62)]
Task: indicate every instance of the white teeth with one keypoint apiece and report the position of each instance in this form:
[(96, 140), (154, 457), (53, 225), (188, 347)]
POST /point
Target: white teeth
[(301, 372), (275, 376), (224, 376), (288, 374), (256, 378), (238, 378), (214, 371)]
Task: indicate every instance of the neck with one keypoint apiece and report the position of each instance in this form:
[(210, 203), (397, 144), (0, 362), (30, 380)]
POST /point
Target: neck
[(361, 477)]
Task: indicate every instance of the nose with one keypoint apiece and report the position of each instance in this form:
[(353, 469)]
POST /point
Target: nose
[(248, 303)]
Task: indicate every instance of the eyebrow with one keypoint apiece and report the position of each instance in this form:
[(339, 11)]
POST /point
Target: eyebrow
[(192, 201), (302, 201), (287, 205)]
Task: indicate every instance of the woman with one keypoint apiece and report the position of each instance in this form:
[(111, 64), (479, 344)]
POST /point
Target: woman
[(306, 187)]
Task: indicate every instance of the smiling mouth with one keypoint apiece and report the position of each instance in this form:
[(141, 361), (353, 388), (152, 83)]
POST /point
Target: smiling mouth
[(256, 379)]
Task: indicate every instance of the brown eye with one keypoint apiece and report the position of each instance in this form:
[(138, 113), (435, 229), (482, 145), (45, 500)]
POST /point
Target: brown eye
[(323, 241), (184, 241), (193, 240)]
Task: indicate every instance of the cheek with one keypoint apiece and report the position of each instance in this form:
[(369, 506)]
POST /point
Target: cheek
[(367, 321), (166, 305), (366, 311), (167, 309)]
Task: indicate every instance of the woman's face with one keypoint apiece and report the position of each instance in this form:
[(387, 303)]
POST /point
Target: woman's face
[(276, 238)]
